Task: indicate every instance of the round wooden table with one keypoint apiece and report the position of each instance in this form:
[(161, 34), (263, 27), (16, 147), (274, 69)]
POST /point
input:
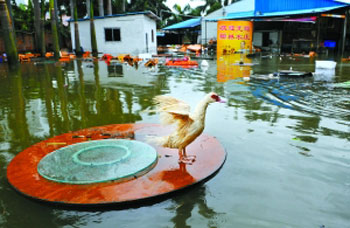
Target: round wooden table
[(166, 176)]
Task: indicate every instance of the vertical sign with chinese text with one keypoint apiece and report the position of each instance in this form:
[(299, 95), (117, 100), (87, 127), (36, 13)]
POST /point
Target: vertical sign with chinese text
[(234, 37), (234, 40)]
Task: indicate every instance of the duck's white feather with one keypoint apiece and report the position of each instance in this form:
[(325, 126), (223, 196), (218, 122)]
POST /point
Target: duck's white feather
[(189, 126)]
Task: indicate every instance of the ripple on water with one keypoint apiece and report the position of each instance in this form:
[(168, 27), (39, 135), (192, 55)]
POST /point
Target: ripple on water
[(314, 98)]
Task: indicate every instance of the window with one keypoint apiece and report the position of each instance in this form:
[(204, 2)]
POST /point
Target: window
[(112, 34), (152, 36), (115, 71)]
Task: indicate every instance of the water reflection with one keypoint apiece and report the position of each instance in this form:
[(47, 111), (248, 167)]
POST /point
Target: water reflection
[(230, 67), (309, 117), (62, 97), (17, 119), (185, 208), (185, 204), (13, 206), (115, 70), (82, 98), (48, 97), (56, 101)]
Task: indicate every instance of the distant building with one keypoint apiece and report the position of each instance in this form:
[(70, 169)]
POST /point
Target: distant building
[(288, 26), (129, 33), (183, 32)]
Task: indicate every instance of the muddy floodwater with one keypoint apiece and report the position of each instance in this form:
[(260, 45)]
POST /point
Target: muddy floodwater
[(287, 140)]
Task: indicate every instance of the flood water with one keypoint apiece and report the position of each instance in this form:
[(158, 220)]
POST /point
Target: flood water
[(287, 141)]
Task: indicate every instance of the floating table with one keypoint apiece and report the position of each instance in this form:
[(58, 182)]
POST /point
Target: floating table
[(110, 164)]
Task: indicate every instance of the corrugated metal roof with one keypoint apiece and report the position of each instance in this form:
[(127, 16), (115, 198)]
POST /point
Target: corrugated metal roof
[(287, 5), (344, 1), (241, 14), (273, 8), (300, 11), (191, 23)]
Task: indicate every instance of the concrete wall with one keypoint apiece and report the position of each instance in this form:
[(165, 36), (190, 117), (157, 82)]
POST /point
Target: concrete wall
[(25, 42), (133, 30)]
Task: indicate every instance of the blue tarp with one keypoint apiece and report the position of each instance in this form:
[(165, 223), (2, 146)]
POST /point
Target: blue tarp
[(191, 23)]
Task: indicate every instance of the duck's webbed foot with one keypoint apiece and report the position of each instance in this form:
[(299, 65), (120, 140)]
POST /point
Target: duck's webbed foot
[(186, 159)]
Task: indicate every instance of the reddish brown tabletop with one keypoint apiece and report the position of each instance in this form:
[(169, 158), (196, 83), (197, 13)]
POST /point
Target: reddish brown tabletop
[(167, 175)]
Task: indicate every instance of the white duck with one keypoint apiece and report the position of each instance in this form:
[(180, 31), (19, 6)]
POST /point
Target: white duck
[(189, 125)]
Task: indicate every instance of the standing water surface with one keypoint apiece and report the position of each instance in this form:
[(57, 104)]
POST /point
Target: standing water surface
[(287, 141)]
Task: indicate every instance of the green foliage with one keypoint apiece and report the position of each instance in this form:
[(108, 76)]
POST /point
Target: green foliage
[(158, 7), (214, 7), (228, 2), (179, 14), (23, 17)]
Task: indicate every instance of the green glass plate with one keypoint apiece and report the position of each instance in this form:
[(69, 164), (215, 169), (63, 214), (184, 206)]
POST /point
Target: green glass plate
[(98, 161)]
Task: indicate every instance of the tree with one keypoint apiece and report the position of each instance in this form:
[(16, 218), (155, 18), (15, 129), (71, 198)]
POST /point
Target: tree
[(88, 5), (23, 17), (42, 29), (56, 48), (152, 5), (180, 14), (93, 31), (100, 8), (211, 6), (9, 7), (119, 6), (76, 28), (8, 33), (228, 2), (37, 21), (109, 7)]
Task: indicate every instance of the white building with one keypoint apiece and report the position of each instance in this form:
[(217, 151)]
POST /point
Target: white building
[(129, 33)]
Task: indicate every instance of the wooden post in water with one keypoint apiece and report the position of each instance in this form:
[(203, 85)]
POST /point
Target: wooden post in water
[(8, 34)]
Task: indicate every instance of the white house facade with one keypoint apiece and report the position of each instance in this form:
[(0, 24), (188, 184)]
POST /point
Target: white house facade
[(130, 33)]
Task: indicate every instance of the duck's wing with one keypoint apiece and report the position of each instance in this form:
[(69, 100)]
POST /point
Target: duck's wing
[(172, 110), (170, 104)]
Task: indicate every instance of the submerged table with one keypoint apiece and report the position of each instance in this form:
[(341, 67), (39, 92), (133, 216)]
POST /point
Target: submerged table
[(80, 168)]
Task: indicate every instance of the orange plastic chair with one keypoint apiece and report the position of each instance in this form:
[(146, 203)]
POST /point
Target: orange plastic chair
[(87, 54)]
